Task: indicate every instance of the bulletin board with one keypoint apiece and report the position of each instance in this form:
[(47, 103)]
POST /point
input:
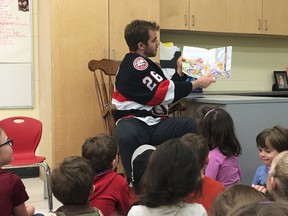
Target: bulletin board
[(16, 54)]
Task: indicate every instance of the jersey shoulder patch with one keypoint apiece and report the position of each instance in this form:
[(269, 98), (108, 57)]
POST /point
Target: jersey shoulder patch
[(140, 64)]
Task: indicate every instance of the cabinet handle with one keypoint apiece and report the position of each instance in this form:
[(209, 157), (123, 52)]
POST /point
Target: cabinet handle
[(193, 20), (185, 19), (266, 25), (259, 24), (114, 54)]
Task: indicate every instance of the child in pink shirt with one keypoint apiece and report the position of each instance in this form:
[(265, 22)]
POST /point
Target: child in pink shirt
[(217, 126)]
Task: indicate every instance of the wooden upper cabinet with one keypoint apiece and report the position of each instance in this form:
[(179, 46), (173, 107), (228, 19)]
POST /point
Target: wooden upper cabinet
[(122, 13), (208, 15), (174, 15), (230, 16), (204, 15), (275, 17), (257, 16), (244, 16), (79, 33)]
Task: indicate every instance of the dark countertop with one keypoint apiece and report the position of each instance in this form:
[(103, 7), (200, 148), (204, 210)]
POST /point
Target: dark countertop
[(248, 93), (234, 99)]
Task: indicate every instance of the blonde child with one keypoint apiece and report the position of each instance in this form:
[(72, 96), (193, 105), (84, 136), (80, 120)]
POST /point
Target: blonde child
[(234, 196), (277, 181), (261, 209)]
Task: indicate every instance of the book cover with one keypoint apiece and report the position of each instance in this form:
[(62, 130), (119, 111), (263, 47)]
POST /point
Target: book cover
[(201, 62)]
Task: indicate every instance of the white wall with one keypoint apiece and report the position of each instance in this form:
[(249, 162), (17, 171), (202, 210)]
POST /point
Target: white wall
[(253, 58)]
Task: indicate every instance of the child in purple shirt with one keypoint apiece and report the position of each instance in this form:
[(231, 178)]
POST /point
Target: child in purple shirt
[(217, 126)]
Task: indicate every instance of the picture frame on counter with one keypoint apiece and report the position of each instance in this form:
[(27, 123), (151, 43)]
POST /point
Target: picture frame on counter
[(281, 81)]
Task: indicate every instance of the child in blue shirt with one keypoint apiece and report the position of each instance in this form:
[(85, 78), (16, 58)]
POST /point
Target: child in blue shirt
[(270, 142)]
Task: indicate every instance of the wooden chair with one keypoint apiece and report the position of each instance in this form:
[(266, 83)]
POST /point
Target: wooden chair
[(104, 85)]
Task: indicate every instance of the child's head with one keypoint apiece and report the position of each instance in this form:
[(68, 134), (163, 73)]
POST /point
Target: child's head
[(233, 196), (270, 142), (261, 209), (6, 151), (172, 173), (101, 151), (72, 181), (277, 181), (217, 126), (199, 145)]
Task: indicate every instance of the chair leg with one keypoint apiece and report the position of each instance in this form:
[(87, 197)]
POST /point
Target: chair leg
[(47, 188)]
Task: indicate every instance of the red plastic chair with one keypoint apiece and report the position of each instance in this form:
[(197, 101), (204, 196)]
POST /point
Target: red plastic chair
[(26, 134)]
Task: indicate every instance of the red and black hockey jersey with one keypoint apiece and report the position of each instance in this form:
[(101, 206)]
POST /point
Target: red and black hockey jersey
[(142, 90)]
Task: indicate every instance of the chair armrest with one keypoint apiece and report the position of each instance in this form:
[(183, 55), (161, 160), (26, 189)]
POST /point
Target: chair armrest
[(177, 107)]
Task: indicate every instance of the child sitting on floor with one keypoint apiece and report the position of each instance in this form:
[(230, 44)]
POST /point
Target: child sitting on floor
[(12, 190), (261, 209), (111, 192), (171, 174), (270, 142), (217, 126), (71, 183), (210, 187), (277, 180), (234, 196)]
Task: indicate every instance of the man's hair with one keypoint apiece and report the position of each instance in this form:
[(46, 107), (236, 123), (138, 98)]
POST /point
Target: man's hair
[(199, 146), (138, 31), (100, 150), (275, 138), (72, 181)]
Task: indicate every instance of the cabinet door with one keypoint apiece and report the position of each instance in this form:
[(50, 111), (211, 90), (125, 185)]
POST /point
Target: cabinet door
[(208, 15), (79, 33), (275, 17), (123, 12), (244, 16), (174, 15)]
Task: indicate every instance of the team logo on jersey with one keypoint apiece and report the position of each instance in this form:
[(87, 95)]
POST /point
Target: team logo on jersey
[(140, 64)]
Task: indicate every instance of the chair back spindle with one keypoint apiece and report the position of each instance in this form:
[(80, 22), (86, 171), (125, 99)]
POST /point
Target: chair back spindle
[(104, 72)]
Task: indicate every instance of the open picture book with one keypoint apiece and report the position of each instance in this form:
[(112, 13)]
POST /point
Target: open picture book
[(201, 62)]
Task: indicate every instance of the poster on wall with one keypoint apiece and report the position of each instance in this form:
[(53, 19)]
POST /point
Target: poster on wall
[(15, 31)]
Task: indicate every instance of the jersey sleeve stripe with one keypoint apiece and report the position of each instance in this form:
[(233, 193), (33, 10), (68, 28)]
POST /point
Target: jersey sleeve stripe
[(160, 93), (119, 97)]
